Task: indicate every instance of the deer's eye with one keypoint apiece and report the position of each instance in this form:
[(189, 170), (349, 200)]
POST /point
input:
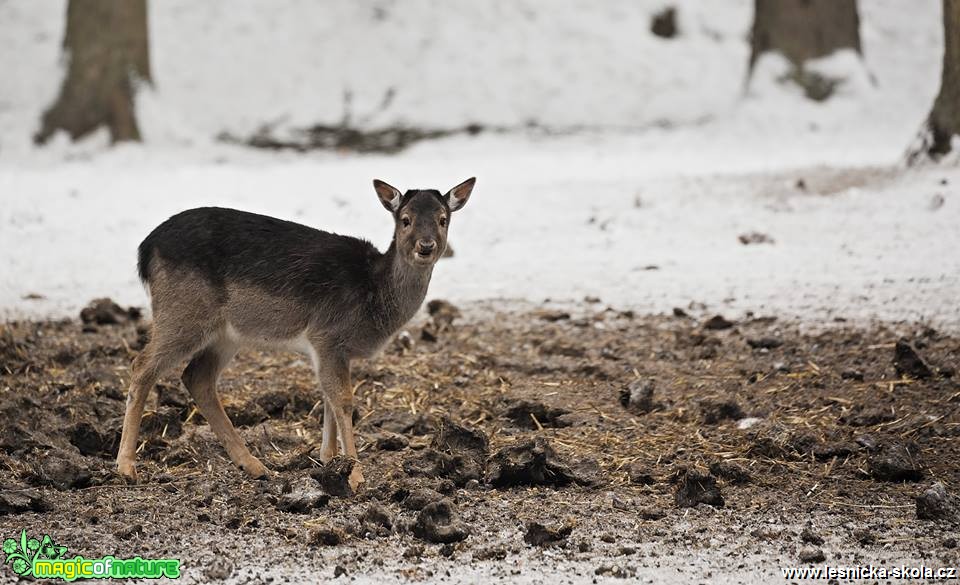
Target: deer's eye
[(443, 221), (406, 220)]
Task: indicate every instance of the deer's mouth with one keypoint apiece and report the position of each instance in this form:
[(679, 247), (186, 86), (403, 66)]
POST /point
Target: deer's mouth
[(423, 256)]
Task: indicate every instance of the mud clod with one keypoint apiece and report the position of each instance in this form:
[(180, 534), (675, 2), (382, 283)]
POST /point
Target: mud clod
[(810, 537), (531, 462), (219, 569), (58, 469), (764, 342), (812, 555), (664, 23), (715, 411), (432, 463), (457, 453), (896, 462), (419, 499), (106, 312), (640, 474), (832, 449), (718, 323), (697, 488), (325, 536), (245, 414), (637, 397), (20, 500), (377, 519), (89, 440), (302, 499), (907, 361), (868, 416), (440, 523), (334, 477), (443, 312), (539, 535), (731, 472), (455, 438), (935, 503), (523, 412), (391, 442)]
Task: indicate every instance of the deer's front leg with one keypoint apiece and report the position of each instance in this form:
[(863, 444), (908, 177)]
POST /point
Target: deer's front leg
[(334, 374)]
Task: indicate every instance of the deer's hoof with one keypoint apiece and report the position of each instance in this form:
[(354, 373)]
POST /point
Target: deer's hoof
[(128, 470), (356, 479), (255, 469)]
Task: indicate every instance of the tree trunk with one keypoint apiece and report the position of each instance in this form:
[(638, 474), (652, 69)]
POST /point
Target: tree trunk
[(944, 120), (804, 29), (106, 46)]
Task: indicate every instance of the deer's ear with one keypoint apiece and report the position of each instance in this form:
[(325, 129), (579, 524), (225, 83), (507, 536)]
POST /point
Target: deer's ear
[(457, 197), (388, 194)]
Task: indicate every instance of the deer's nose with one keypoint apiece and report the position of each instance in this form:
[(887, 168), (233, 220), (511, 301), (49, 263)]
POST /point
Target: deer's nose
[(425, 246)]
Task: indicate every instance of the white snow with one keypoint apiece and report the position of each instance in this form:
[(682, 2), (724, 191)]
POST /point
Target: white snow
[(679, 154)]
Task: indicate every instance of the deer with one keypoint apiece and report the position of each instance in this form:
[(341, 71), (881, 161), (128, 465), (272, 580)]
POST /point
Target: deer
[(221, 279)]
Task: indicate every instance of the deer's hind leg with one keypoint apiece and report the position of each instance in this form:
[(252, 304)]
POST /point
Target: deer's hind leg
[(200, 377), (167, 347)]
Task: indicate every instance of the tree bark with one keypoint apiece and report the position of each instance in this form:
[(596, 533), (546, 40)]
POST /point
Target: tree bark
[(106, 47), (804, 29), (943, 123)]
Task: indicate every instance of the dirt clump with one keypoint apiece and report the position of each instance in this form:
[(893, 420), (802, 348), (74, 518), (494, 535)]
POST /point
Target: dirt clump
[(718, 323), (697, 488), (442, 315), (908, 362), (61, 470), (764, 342), (640, 474), (868, 416), (440, 523), (720, 409), (420, 498), (456, 452), (302, 498), (896, 461), (106, 312), (834, 449), (531, 414), (334, 477), (637, 397), (812, 555), (325, 536), (537, 534), (731, 472), (91, 440), (377, 519), (531, 462), (17, 500), (935, 503), (391, 442), (810, 537), (245, 414)]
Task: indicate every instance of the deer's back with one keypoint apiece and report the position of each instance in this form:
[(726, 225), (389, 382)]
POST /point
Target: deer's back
[(230, 247)]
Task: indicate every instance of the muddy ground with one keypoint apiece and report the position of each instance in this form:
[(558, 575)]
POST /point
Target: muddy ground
[(544, 445)]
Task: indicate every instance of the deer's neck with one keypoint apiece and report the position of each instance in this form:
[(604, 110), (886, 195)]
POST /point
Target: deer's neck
[(403, 288)]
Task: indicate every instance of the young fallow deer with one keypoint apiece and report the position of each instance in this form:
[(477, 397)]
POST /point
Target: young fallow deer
[(221, 279)]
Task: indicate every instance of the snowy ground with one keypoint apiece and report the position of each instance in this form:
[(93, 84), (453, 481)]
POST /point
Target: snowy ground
[(560, 217)]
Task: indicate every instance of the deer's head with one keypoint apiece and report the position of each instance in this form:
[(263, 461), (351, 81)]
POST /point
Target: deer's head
[(421, 219)]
